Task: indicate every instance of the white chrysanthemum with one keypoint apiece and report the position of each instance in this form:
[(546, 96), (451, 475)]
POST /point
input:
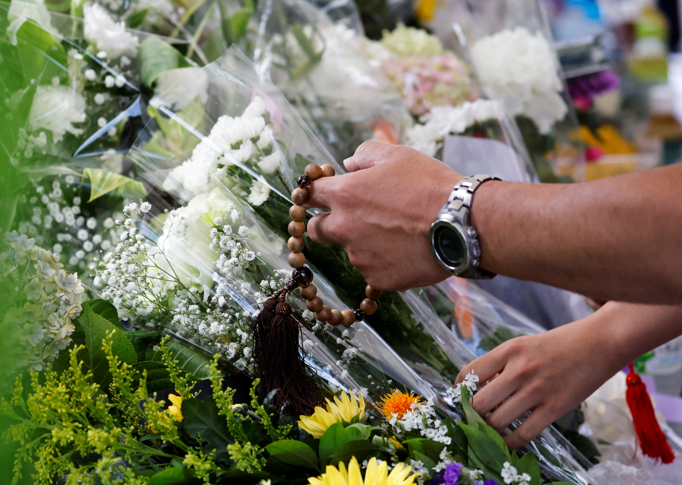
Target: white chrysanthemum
[(192, 177), (260, 191), (178, 87), (255, 108), (228, 131), (520, 68), (270, 164), (109, 36), (56, 109), (21, 11), (444, 120)]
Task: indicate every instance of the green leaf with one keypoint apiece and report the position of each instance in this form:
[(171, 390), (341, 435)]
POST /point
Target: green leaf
[(240, 20), (105, 310), (334, 438), (495, 436), (203, 418), (37, 48), (459, 439), (529, 464), (158, 378), (293, 452), (136, 18), (103, 182), (426, 447), (364, 429), (157, 56), (429, 464), (174, 476), (485, 448), (473, 418), (94, 329), (359, 449), (514, 458), (190, 361)]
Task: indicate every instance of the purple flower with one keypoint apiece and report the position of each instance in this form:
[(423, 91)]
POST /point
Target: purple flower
[(587, 87), (452, 473)]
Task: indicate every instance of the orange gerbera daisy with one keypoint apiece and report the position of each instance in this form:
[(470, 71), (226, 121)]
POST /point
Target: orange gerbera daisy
[(397, 402)]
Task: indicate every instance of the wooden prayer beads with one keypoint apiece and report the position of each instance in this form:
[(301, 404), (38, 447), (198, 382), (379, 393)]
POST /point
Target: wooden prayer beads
[(302, 274)]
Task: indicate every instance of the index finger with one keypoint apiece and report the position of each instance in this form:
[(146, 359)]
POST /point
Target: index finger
[(485, 367), (319, 192)]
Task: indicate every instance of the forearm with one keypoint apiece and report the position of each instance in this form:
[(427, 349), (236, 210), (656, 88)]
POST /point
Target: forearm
[(628, 330), (613, 239)]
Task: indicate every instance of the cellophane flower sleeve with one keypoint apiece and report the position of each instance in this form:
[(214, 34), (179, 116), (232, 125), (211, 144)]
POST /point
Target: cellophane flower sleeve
[(512, 50), (252, 173), (318, 65), (403, 344)]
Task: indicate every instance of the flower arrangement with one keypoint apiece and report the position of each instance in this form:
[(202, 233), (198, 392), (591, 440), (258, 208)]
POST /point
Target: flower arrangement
[(181, 202), (126, 435)]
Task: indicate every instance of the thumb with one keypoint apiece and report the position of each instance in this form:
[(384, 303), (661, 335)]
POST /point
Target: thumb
[(369, 154)]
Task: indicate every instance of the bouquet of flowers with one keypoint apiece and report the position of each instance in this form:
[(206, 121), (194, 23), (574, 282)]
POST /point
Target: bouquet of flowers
[(220, 168), (318, 66), (510, 47), (451, 116)]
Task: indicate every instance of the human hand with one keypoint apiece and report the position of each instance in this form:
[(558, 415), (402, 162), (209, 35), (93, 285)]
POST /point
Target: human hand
[(549, 374), (382, 213)]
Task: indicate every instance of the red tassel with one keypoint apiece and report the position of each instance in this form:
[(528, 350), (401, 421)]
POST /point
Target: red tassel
[(651, 439)]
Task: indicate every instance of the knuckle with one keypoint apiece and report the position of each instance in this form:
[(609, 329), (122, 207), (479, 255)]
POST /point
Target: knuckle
[(496, 422)]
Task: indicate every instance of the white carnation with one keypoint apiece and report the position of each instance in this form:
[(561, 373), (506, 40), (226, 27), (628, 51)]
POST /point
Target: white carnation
[(56, 109), (521, 69), (178, 87), (110, 36)]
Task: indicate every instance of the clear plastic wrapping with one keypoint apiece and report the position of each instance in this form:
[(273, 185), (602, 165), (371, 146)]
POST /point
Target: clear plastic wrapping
[(411, 347), (512, 49), (317, 65)]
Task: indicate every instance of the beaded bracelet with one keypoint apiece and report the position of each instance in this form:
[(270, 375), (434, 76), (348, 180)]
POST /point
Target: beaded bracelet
[(302, 275)]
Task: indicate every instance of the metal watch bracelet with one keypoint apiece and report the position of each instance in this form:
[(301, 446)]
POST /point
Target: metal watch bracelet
[(458, 211)]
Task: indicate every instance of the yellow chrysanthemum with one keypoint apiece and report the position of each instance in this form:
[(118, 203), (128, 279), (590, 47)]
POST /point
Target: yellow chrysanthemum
[(374, 475), (348, 409), (176, 409), (397, 402)]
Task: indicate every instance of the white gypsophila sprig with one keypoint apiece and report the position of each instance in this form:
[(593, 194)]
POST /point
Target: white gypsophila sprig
[(61, 219), (422, 418), (147, 285), (47, 301), (470, 382)]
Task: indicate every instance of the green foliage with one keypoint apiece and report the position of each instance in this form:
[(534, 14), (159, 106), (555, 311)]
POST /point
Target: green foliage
[(95, 329), (135, 19), (157, 56), (103, 182), (294, 453), (173, 140), (501, 335)]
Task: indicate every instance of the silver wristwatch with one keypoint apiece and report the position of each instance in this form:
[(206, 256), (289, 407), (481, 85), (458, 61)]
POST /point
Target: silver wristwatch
[(453, 240)]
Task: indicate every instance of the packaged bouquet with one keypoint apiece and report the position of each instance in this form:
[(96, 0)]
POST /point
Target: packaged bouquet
[(316, 63), (453, 121), (199, 272), (511, 48)]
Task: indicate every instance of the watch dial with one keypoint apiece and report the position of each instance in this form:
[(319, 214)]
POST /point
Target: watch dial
[(450, 246)]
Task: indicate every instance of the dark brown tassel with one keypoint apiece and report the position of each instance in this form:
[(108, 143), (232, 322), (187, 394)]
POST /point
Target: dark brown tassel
[(280, 361)]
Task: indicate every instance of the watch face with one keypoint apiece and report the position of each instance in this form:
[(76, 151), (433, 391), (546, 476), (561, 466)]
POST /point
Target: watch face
[(449, 245)]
